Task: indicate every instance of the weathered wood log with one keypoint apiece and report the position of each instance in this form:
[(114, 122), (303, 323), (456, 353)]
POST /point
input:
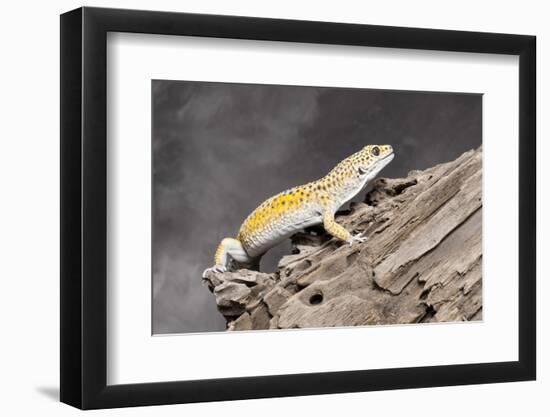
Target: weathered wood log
[(421, 262)]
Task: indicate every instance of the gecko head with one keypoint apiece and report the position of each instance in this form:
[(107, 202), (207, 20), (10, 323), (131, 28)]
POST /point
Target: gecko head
[(372, 158)]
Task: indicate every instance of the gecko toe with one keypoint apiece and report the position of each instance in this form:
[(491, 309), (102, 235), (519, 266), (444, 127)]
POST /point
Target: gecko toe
[(357, 238)]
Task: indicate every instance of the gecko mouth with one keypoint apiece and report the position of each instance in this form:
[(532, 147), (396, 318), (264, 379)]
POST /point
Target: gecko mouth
[(377, 166), (389, 156), (386, 159)]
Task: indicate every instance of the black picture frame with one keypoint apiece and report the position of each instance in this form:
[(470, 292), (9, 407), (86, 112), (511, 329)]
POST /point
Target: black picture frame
[(84, 207)]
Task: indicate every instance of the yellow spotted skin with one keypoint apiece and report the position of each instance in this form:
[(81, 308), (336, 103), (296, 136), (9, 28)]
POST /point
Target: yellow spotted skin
[(278, 207), (288, 212)]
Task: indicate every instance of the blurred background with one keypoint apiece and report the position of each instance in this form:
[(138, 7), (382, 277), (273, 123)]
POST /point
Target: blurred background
[(220, 149)]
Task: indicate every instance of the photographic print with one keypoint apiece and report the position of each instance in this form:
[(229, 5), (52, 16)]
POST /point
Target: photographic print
[(292, 207)]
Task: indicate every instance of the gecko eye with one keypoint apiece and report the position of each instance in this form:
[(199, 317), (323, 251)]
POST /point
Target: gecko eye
[(375, 151)]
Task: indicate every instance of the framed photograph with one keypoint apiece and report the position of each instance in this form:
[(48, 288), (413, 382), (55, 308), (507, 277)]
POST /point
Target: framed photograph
[(257, 208)]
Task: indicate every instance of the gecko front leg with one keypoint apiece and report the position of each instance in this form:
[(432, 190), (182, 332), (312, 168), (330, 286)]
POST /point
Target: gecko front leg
[(340, 232)]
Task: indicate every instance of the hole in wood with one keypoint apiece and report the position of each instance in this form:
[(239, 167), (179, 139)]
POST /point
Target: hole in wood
[(316, 298)]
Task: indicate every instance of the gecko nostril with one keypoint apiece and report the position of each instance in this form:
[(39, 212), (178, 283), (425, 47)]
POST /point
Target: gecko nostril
[(316, 298)]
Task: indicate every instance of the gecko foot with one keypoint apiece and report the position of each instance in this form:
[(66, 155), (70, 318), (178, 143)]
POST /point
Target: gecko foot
[(360, 238), (215, 268)]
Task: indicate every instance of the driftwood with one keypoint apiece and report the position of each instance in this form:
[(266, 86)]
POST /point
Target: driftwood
[(421, 262)]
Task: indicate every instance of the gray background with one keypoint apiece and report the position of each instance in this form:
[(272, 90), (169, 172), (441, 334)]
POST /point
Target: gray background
[(220, 149)]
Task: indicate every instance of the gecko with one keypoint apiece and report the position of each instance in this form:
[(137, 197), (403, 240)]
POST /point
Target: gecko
[(291, 211)]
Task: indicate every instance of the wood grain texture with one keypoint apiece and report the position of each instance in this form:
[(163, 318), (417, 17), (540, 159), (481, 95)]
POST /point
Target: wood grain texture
[(422, 261)]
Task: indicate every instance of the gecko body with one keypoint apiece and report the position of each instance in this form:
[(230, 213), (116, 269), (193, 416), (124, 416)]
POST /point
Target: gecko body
[(292, 210)]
